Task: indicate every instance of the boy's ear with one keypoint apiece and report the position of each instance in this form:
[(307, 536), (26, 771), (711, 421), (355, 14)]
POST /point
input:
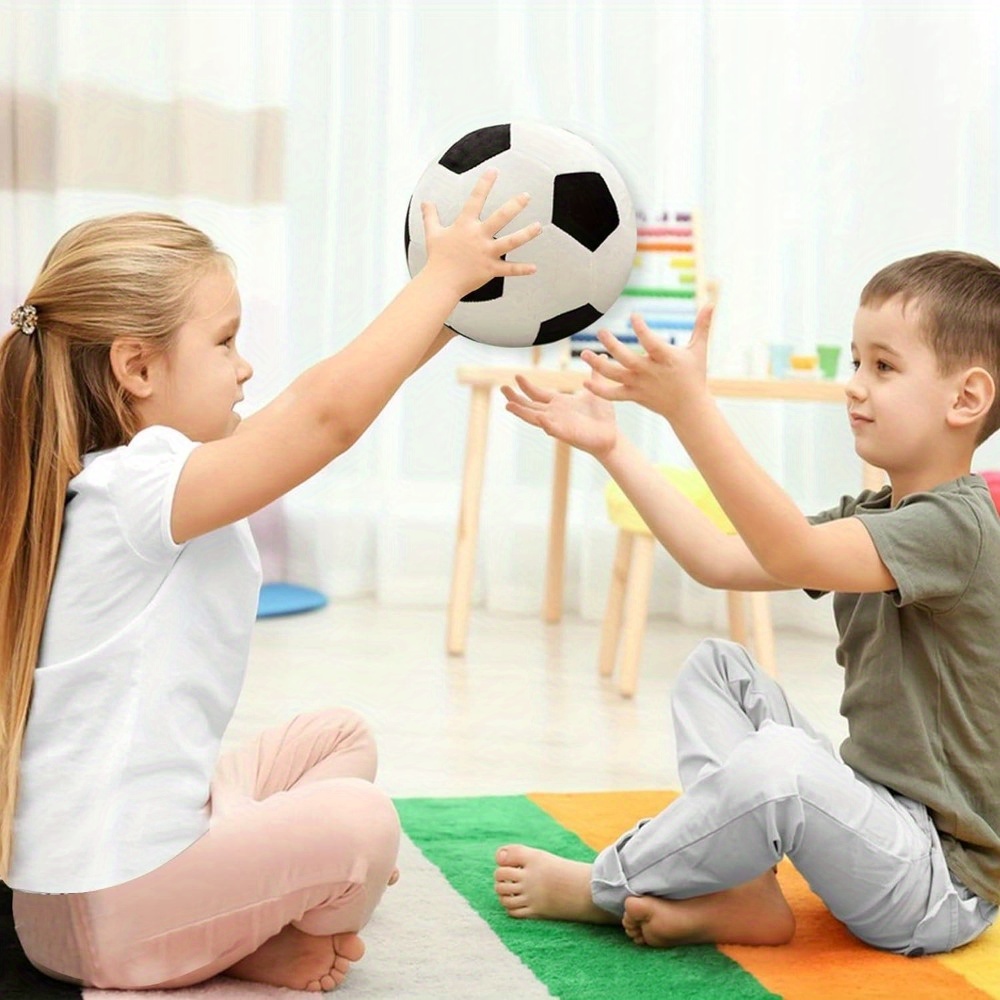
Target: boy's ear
[(976, 392), (130, 364)]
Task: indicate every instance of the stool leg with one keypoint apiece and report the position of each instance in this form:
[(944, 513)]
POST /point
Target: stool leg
[(763, 632), (737, 617), (636, 607), (556, 560), (611, 628), (468, 521)]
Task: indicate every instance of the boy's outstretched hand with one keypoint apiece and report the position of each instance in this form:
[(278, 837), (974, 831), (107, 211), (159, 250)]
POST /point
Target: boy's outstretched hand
[(467, 253), (581, 419), (662, 379)]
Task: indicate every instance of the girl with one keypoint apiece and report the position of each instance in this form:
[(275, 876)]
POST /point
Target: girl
[(128, 589)]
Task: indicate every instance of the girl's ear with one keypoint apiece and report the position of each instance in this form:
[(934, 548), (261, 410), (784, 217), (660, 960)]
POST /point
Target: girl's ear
[(130, 364), (975, 396)]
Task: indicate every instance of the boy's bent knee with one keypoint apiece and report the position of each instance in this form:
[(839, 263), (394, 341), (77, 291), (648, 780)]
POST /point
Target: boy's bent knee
[(715, 661)]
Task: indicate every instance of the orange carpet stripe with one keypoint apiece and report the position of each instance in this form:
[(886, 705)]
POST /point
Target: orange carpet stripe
[(979, 962), (823, 960)]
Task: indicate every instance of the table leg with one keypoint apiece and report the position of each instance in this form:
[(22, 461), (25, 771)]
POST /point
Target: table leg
[(463, 573), (556, 561)]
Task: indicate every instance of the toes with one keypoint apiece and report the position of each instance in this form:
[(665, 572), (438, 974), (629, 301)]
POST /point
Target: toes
[(516, 901), (512, 855), (348, 946), (508, 874)]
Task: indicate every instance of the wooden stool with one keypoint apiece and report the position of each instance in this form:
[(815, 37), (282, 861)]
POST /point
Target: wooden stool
[(628, 594)]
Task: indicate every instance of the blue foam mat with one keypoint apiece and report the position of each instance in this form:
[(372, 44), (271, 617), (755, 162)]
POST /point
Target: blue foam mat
[(287, 599)]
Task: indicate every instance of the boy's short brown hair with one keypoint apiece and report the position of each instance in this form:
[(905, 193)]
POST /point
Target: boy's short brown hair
[(958, 297)]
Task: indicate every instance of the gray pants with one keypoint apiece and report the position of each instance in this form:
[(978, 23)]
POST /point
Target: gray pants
[(760, 783)]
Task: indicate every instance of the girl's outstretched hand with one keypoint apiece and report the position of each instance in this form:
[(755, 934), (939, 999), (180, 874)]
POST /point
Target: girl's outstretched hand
[(662, 378), (580, 419), (467, 253)]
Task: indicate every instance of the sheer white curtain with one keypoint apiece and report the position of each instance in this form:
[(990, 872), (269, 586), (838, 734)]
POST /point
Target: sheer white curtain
[(387, 87), (118, 106), (819, 141), (177, 108)]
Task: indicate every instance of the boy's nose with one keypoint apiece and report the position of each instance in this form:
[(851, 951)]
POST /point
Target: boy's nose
[(853, 387)]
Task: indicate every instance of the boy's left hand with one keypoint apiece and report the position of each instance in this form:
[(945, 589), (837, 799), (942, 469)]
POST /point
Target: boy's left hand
[(663, 378)]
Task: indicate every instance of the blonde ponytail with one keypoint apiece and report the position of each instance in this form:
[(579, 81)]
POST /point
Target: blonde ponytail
[(126, 275)]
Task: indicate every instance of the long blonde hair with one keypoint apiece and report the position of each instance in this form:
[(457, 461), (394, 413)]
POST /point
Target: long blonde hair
[(124, 275)]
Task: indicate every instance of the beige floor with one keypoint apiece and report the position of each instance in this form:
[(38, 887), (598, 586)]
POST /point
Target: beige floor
[(523, 710)]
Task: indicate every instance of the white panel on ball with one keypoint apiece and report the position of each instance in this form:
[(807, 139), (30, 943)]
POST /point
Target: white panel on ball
[(584, 253)]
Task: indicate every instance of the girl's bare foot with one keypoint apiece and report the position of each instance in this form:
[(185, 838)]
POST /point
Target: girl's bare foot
[(300, 961), (753, 913), (536, 884)]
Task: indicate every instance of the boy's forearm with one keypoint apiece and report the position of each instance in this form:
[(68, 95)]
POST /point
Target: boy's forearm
[(767, 519), (681, 528)]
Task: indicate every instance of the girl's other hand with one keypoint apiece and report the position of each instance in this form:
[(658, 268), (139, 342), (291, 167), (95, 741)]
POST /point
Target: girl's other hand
[(467, 253)]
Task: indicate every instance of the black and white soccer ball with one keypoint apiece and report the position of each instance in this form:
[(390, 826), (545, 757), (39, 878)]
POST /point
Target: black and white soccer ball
[(584, 253)]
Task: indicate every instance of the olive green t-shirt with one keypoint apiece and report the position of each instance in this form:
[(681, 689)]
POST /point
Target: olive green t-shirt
[(922, 665)]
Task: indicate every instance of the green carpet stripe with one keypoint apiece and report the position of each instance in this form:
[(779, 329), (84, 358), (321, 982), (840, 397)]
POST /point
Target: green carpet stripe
[(574, 961)]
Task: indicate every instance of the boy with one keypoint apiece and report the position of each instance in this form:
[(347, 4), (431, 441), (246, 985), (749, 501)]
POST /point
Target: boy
[(899, 834)]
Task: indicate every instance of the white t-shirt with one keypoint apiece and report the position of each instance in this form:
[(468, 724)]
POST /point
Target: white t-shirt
[(142, 661)]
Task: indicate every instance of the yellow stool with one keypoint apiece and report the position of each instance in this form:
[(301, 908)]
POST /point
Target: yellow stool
[(628, 595)]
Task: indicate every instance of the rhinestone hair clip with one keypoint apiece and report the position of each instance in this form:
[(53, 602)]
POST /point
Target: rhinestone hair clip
[(25, 319)]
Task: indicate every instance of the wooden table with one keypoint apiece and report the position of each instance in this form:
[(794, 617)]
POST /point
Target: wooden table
[(482, 380)]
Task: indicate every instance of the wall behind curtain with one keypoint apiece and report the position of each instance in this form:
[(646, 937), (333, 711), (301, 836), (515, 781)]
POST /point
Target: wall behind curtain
[(819, 142)]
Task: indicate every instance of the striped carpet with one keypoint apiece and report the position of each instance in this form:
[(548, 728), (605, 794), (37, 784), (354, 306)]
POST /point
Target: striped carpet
[(441, 934)]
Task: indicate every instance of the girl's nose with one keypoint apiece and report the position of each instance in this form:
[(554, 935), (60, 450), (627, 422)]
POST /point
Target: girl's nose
[(244, 370)]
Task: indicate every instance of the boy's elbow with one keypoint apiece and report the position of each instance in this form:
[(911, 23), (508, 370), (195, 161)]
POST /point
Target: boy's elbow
[(709, 576), (790, 566)]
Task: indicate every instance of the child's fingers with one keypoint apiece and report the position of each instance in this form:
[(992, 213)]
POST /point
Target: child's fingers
[(605, 388), (512, 207), (477, 197), (535, 392), (526, 413), (648, 341), (505, 244), (432, 222), (514, 268), (513, 397), (624, 356), (608, 369), (702, 325)]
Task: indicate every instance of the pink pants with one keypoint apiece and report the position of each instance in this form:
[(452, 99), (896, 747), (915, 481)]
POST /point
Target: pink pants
[(298, 835)]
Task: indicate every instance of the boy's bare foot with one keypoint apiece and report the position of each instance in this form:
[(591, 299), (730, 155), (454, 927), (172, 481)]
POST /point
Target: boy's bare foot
[(300, 961), (536, 884), (753, 913)]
